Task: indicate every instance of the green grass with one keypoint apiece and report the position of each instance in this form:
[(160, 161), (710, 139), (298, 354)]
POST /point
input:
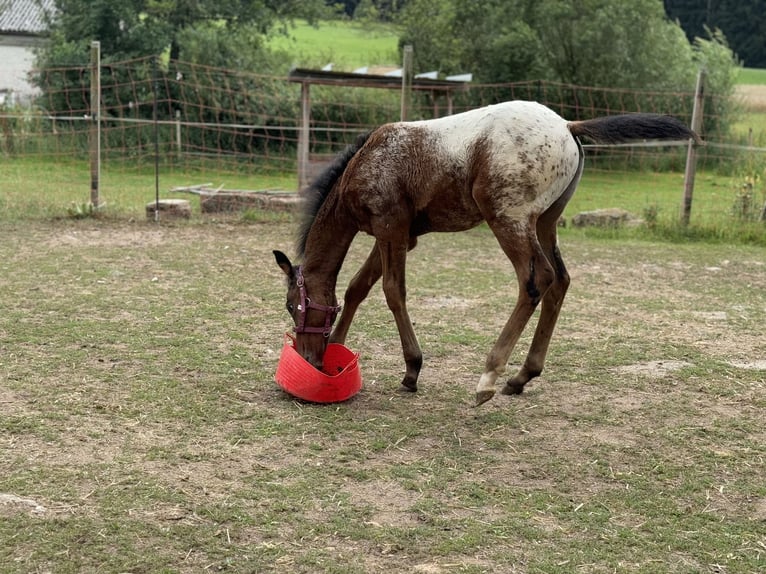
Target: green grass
[(752, 76), (40, 188), (345, 44), (639, 191), (37, 190), (751, 128), (140, 412)]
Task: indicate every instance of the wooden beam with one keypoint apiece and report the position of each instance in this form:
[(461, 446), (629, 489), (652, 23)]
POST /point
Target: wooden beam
[(304, 136)]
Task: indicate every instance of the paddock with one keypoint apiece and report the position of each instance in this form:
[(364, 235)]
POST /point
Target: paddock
[(142, 430)]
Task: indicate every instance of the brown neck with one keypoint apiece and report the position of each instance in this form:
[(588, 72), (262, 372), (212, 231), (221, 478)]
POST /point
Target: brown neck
[(327, 244)]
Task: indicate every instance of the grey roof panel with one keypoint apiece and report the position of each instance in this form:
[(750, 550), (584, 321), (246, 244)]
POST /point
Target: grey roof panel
[(25, 16)]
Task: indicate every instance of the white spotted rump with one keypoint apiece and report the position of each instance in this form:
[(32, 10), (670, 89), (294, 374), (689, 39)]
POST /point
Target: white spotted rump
[(519, 155)]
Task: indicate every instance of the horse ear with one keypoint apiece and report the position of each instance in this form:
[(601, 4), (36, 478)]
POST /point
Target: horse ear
[(284, 263)]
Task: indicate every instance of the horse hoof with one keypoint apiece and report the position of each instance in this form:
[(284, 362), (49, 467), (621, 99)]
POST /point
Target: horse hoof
[(512, 389), (483, 396), (409, 386)]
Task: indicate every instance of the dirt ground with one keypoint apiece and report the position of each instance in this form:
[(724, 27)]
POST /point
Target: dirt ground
[(155, 348)]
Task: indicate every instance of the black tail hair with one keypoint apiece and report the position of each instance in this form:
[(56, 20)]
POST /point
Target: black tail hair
[(627, 127)]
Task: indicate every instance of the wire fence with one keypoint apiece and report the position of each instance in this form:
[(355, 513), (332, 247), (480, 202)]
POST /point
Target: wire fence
[(200, 123)]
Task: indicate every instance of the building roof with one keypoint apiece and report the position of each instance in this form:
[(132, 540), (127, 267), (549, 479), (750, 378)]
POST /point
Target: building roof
[(363, 80), (26, 17)]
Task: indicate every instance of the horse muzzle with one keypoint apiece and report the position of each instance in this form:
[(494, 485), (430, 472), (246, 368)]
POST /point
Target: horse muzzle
[(312, 348)]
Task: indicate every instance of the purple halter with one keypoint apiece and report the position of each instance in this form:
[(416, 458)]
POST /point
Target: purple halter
[(330, 312)]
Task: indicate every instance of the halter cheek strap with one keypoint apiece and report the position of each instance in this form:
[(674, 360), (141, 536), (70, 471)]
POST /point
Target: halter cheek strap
[(330, 311)]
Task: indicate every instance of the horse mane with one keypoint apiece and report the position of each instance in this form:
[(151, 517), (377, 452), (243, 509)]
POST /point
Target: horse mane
[(318, 191)]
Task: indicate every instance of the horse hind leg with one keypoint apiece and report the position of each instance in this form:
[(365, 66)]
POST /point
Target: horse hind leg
[(551, 306), (535, 275), (554, 297)]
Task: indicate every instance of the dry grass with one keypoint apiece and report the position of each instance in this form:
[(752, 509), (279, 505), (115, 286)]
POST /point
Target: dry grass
[(753, 96), (142, 432)]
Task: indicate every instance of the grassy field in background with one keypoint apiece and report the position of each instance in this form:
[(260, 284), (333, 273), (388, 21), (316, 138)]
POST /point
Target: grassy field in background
[(344, 44), (752, 76), (37, 190), (750, 127)]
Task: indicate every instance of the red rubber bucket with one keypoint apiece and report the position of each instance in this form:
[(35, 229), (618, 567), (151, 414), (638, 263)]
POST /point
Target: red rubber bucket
[(339, 380)]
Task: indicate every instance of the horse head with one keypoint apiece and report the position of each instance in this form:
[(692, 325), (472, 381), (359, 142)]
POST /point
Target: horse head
[(313, 320)]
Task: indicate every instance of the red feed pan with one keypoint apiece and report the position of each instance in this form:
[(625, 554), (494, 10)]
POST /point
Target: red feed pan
[(339, 380)]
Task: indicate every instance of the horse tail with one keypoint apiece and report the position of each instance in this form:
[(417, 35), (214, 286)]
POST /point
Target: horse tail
[(627, 127)]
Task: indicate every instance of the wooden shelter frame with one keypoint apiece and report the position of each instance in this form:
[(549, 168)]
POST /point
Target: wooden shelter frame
[(306, 78)]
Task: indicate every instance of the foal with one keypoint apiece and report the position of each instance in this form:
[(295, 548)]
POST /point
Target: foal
[(514, 165)]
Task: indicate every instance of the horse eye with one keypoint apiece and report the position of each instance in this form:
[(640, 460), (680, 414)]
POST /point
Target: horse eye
[(290, 307)]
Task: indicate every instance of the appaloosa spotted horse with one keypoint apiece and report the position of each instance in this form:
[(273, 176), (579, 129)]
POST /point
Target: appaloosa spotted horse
[(514, 165)]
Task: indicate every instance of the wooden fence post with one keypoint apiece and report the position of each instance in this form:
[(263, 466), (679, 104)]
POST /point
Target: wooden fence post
[(95, 124), (406, 82), (304, 136), (179, 145), (691, 154), (156, 121)]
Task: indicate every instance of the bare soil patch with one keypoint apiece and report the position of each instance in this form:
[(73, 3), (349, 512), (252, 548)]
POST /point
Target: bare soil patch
[(137, 394)]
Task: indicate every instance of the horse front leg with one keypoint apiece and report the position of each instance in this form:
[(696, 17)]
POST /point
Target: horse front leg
[(356, 292), (393, 258)]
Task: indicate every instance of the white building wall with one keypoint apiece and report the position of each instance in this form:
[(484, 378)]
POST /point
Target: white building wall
[(16, 62)]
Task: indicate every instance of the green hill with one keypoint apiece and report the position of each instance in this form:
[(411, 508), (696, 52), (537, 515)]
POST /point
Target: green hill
[(345, 44)]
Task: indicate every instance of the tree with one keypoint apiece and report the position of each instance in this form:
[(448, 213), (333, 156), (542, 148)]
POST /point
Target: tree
[(131, 29), (119, 26), (615, 43), (216, 33), (135, 28), (608, 43), (484, 38), (382, 10), (497, 41), (743, 22)]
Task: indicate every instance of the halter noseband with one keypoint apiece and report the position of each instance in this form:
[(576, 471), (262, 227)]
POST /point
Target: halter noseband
[(330, 311)]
